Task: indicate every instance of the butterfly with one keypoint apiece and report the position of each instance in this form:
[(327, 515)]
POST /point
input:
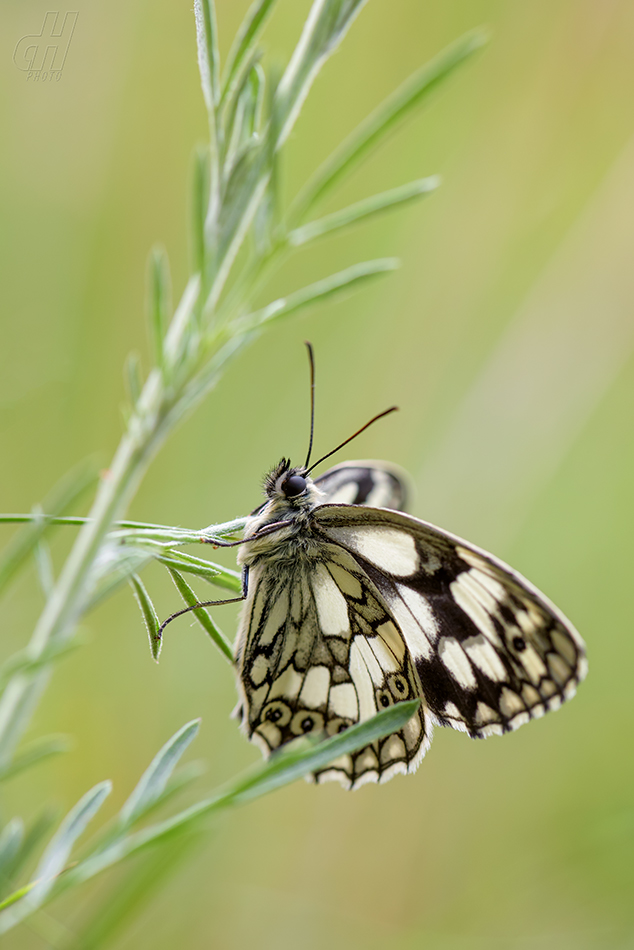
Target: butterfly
[(351, 605)]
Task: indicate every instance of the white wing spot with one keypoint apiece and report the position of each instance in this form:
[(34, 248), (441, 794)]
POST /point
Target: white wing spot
[(415, 619), (385, 658), (343, 701), (466, 598), (559, 670), (457, 663), (451, 711), (390, 549), (315, 689), (276, 618), (287, 684), (331, 604), (484, 714), (345, 580), (373, 665), (533, 663), (563, 646), (393, 748), (484, 656), (259, 669), (362, 681), (510, 703)]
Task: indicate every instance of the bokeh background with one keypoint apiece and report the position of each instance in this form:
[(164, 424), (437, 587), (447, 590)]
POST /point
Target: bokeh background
[(506, 339)]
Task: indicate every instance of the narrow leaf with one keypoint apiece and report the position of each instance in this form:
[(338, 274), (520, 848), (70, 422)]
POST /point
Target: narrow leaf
[(133, 380), (154, 780), (325, 27), (38, 830), (34, 753), (159, 301), (202, 616), (367, 208), (345, 280), (56, 855), (283, 768), (44, 565), (150, 616), (11, 841), (200, 201), (66, 493), (23, 662), (220, 576), (207, 42), (239, 59), (396, 107)]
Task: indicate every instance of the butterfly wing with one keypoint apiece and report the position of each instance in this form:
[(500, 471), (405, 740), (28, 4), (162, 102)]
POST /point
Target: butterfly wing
[(491, 651), (318, 652), (366, 482)]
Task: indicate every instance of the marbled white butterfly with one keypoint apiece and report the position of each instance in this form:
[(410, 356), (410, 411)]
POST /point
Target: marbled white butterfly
[(351, 606)]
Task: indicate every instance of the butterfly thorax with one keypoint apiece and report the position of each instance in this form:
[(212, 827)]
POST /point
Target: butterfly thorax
[(292, 497)]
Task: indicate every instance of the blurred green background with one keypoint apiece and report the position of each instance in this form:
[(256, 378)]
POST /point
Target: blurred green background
[(506, 339)]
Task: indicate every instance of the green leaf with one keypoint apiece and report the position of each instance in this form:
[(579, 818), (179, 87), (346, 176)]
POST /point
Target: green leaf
[(150, 616), (24, 662), (367, 208), (159, 301), (200, 201), (326, 25), (152, 784), (37, 831), (239, 60), (208, 58), (202, 616), (220, 576), (396, 107), (44, 565), (11, 841), (281, 769), (345, 280), (125, 901), (33, 754), (55, 857), (134, 383), (66, 493)]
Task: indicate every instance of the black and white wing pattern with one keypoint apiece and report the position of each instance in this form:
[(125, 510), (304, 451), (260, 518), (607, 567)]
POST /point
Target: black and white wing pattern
[(366, 482), (318, 652), (491, 652)]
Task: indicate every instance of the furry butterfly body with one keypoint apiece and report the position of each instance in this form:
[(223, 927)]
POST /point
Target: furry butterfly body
[(352, 606)]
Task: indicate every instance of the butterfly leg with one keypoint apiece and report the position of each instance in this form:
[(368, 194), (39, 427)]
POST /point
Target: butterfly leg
[(209, 603)]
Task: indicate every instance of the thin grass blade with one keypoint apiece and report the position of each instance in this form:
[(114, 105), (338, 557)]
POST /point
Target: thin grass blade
[(284, 768), (149, 614), (220, 576), (208, 57), (325, 27), (152, 783), (201, 615), (362, 210), (66, 493), (412, 93), (159, 301), (34, 753), (55, 856), (240, 55), (348, 279)]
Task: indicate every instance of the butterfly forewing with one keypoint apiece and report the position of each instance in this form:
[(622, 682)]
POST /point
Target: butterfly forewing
[(319, 652), (490, 650), (364, 482)]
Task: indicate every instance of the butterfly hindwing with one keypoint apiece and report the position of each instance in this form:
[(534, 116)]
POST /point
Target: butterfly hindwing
[(319, 652), (490, 650)]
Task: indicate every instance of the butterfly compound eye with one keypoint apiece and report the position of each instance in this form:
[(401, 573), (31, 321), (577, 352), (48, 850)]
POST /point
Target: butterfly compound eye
[(294, 485)]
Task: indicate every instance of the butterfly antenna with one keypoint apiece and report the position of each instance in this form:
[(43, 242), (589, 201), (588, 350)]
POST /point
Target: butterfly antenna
[(311, 359), (386, 412)]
